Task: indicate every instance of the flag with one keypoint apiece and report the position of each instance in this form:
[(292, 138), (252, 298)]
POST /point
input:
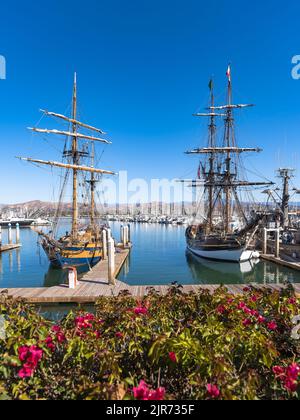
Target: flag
[(228, 73), (211, 84)]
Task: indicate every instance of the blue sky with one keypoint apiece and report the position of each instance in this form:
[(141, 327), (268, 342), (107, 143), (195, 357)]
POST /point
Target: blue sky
[(143, 69)]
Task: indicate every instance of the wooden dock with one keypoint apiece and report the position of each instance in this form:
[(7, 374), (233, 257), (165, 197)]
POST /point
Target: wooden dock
[(95, 284), (9, 247), (280, 261)]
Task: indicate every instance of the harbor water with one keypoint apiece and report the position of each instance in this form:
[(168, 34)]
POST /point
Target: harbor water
[(158, 257)]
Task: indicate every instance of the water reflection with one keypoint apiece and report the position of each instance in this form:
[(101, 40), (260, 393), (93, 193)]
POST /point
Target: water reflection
[(158, 257), (249, 272)]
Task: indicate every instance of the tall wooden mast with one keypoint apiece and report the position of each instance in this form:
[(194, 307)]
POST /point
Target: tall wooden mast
[(75, 157), (228, 127), (212, 144), (93, 181)]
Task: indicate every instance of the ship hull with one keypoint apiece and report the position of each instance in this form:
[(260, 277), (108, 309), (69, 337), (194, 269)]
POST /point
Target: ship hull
[(83, 259), (229, 254)]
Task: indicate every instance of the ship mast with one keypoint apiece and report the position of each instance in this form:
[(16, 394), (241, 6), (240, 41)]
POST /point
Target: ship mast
[(212, 144), (75, 157), (223, 183), (93, 181), (228, 127)]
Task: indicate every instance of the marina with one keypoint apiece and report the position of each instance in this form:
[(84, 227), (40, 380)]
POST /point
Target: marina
[(95, 284), (158, 257), (150, 203)]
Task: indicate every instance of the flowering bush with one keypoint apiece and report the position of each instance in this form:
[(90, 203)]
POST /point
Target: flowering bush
[(178, 346)]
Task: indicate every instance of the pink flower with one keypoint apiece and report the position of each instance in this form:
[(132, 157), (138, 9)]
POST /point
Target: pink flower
[(84, 322), (23, 353), (173, 357), (241, 305), (143, 393), (31, 356), (272, 326), (56, 329), (288, 376), (293, 371), (247, 322), (254, 299), (221, 309), (35, 355), (292, 301), (246, 289), (50, 344), (157, 395), (213, 391), (119, 335), (247, 311), (141, 311), (261, 319), (25, 372), (279, 371)]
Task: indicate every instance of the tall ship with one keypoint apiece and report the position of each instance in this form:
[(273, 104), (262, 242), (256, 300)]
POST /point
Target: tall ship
[(226, 230), (82, 246)]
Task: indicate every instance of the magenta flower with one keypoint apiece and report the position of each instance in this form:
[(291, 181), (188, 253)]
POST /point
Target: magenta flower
[(221, 309), (279, 371), (261, 319), (50, 344), (292, 301), (272, 326), (25, 372), (23, 353), (213, 391), (119, 335), (173, 357), (141, 311), (143, 393), (31, 356), (247, 322)]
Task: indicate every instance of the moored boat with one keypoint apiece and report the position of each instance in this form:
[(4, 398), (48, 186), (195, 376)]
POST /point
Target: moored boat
[(82, 246), (225, 232)]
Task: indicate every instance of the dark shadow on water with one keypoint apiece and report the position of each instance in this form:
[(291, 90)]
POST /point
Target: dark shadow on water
[(57, 276)]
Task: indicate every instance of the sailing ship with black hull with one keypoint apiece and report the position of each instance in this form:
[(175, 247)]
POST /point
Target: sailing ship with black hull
[(82, 247), (226, 231)]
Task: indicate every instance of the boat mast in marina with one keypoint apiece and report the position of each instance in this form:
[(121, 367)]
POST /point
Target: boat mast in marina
[(82, 246)]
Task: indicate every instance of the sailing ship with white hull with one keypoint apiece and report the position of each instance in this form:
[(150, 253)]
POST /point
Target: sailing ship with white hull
[(216, 237), (82, 247)]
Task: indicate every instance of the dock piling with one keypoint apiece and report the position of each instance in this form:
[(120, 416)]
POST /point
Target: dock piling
[(129, 233), (265, 239), (0, 236), (104, 244), (9, 234), (72, 278), (277, 243), (111, 262), (17, 233)]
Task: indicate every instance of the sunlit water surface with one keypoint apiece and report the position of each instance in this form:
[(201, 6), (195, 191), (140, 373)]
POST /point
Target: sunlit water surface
[(158, 257)]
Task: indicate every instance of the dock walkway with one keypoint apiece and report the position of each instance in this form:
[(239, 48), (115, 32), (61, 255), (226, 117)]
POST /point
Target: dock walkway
[(95, 284), (9, 247)]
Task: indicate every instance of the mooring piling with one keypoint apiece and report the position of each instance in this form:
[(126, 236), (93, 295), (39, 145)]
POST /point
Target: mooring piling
[(111, 262), (17, 233), (9, 234), (104, 244)]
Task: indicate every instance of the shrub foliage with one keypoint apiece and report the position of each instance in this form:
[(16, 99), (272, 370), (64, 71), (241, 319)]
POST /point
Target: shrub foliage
[(173, 347)]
